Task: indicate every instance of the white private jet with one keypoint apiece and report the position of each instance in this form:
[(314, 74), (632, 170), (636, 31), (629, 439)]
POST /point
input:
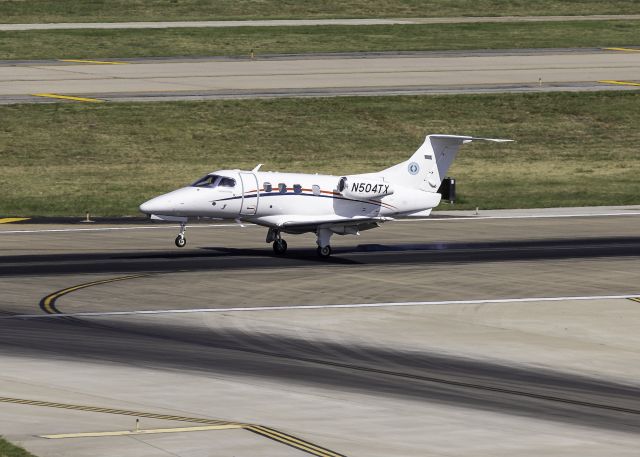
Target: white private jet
[(298, 203)]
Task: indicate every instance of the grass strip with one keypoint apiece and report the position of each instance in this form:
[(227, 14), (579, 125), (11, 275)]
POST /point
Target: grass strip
[(20, 11), (100, 44), (571, 149), (9, 450)]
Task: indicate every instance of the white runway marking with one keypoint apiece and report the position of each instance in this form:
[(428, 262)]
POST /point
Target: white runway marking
[(249, 224), (311, 307)]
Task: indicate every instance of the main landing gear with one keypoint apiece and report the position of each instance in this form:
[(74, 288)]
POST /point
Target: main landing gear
[(280, 246), (181, 240), (323, 238)]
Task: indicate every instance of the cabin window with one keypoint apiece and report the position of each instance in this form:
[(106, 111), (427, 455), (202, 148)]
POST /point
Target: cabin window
[(316, 189), (227, 182), (268, 187), (282, 188), (297, 189)]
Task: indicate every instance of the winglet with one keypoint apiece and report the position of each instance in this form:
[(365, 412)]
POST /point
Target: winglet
[(257, 167)]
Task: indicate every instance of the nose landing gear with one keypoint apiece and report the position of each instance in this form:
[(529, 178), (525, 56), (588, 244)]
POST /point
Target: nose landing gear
[(279, 245), (181, 240)]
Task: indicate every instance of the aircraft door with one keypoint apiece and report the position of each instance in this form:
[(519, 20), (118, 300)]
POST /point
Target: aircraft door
[(250, 194)]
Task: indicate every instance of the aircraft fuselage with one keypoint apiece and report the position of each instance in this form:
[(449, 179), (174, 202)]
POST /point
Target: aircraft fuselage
[(260, 196)]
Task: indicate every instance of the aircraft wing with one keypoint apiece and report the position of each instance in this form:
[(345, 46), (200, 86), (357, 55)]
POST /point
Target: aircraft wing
[(300, 224)]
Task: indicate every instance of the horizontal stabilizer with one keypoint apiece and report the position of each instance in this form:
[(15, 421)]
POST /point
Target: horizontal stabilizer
[(495, 140), (468, 139)]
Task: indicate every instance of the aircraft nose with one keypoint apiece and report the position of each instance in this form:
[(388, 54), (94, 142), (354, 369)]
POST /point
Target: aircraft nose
[(146, 207), (158, 205)]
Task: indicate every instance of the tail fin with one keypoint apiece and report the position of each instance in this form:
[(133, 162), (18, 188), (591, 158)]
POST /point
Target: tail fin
[(428, 166)]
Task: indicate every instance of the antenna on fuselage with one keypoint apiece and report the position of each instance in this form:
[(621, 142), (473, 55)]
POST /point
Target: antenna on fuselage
[(257, 167)]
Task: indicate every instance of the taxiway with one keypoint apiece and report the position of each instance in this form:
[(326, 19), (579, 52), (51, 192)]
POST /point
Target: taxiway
[(471, 369), (319, 75), (307, 22)]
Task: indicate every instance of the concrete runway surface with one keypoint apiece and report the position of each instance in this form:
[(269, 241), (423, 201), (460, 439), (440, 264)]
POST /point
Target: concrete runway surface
[(525, 341), (323, 75)]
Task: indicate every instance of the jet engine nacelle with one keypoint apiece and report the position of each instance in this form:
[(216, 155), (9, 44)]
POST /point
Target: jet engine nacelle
[(355, 187)]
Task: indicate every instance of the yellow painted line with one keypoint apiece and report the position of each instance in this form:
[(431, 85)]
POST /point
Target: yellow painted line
[(279, 439), (143, 432), (47, 304), (292, 441), (68, 97), (622, 83), (209, 424), (636, 299), (121, 412), (622, 49), (8, 220), (98, 62)]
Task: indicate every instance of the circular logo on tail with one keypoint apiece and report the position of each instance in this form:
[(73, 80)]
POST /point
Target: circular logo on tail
[(414, 168)]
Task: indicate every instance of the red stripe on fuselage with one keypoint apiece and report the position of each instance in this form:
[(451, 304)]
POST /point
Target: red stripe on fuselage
[(328, 192)]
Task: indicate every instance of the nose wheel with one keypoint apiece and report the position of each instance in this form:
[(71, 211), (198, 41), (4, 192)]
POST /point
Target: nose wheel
[(181, 240), (324, 251), (279, 246)]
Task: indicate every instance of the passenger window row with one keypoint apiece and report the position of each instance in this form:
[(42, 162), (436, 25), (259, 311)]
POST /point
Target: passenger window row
[(297, 188)]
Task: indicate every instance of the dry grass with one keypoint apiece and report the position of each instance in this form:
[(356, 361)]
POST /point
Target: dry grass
[(9, 450), (571, 149), (20, 11), (92, 44)]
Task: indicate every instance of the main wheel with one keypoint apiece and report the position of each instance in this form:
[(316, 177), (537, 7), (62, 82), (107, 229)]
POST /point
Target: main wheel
[(325, 251), (280, 246), (181, 241)]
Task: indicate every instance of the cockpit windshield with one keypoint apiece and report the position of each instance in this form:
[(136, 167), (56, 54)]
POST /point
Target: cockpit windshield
[(212, 181)]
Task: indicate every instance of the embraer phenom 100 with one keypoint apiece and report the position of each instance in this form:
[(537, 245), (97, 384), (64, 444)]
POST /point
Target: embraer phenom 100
[(297, 203)]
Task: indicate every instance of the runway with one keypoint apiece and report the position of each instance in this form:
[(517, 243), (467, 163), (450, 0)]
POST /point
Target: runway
[(471, 377), (212, 258), (326, 75)]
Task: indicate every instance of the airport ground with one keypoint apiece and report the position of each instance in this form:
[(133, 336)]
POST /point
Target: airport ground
[(305, 75), (70, 11), (503, 333), (105, 158), (244, 41), (521, 338)]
